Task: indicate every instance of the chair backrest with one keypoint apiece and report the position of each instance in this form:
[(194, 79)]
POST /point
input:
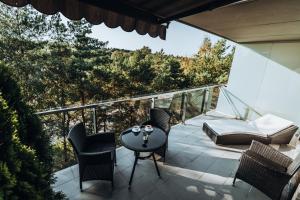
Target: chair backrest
[(160, 118), (294, 166), (77, 136)]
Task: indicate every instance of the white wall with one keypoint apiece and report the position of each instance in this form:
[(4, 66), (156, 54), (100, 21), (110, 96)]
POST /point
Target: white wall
[(267, 77)]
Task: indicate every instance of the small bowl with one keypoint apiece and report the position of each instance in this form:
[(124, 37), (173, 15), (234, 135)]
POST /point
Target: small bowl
[(136, 129), (148, 128)]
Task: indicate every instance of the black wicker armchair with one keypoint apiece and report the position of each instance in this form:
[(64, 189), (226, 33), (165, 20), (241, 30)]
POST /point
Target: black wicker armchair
[(160, 118), (96, 154), (270, 171)]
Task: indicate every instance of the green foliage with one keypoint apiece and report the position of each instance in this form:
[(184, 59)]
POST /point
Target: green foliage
[(211, 64), (25, 162)]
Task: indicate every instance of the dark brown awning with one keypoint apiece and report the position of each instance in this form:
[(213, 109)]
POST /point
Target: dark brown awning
[(76, 10), (144, 16)]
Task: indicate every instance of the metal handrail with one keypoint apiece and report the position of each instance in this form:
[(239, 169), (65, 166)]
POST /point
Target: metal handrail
[(107, 102)]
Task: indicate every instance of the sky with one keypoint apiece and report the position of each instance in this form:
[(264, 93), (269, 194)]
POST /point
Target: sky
[(181, 40)]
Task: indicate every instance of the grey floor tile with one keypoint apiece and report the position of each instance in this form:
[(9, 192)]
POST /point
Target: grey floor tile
[(75, 170), (201, 163), (70, 189), (63, 176)]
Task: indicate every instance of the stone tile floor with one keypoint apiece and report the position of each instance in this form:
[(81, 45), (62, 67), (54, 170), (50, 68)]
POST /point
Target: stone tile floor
[(195, 168)]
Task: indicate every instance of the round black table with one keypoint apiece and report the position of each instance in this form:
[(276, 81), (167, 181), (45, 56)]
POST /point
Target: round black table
[(134, 141)]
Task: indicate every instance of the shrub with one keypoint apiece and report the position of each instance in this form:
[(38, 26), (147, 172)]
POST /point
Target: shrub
[(25, 155)]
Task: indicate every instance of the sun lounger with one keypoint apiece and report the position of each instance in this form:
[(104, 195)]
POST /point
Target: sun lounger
[(268, 129)]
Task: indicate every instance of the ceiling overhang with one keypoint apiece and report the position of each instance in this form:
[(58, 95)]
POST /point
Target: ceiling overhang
[(251, 21)]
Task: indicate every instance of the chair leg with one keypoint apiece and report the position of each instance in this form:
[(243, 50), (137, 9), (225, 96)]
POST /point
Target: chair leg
[(80, 184), (81, 170), (157, 170), (112, 176), (233, 182)]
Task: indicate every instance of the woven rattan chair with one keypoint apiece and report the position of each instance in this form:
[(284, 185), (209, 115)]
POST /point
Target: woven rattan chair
[(96, 154), (270, 171), (160, 118)]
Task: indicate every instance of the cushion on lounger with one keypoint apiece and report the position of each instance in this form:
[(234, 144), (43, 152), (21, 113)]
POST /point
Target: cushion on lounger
[(231, 126), (270, 124)]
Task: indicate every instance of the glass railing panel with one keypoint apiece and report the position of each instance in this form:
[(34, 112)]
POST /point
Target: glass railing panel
[(122, 115), (57, 127), (176, 107), (214, 97), (201, 101), (195, 103), (164, 101)]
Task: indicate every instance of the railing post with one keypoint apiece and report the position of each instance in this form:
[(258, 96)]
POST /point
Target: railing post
[(203, 101), (152, 102), (64, 136), (95, 120), (209, 98), (104, 116), (247, 113), (183, 107)]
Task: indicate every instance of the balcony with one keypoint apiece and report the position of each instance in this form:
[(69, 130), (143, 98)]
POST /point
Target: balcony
[(195, 167)]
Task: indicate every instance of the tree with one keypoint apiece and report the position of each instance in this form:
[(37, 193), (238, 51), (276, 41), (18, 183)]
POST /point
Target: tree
[(140, 71), (211, 64), (20, 31), (87, 54), (26, 161), (169, 76)]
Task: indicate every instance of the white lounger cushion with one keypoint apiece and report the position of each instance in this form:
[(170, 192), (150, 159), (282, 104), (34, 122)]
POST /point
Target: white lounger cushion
[(266, 125), (270, 124), (231, 126)]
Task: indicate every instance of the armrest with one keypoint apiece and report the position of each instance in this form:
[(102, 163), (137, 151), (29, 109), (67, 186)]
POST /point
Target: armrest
[(257, 174), (270, 153), (102, 137)]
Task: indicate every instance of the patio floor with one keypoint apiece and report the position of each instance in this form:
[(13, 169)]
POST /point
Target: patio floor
[(195, 168)]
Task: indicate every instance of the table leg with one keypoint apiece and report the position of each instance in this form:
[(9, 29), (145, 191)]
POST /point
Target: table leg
[(132, 172), (155, 165)]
